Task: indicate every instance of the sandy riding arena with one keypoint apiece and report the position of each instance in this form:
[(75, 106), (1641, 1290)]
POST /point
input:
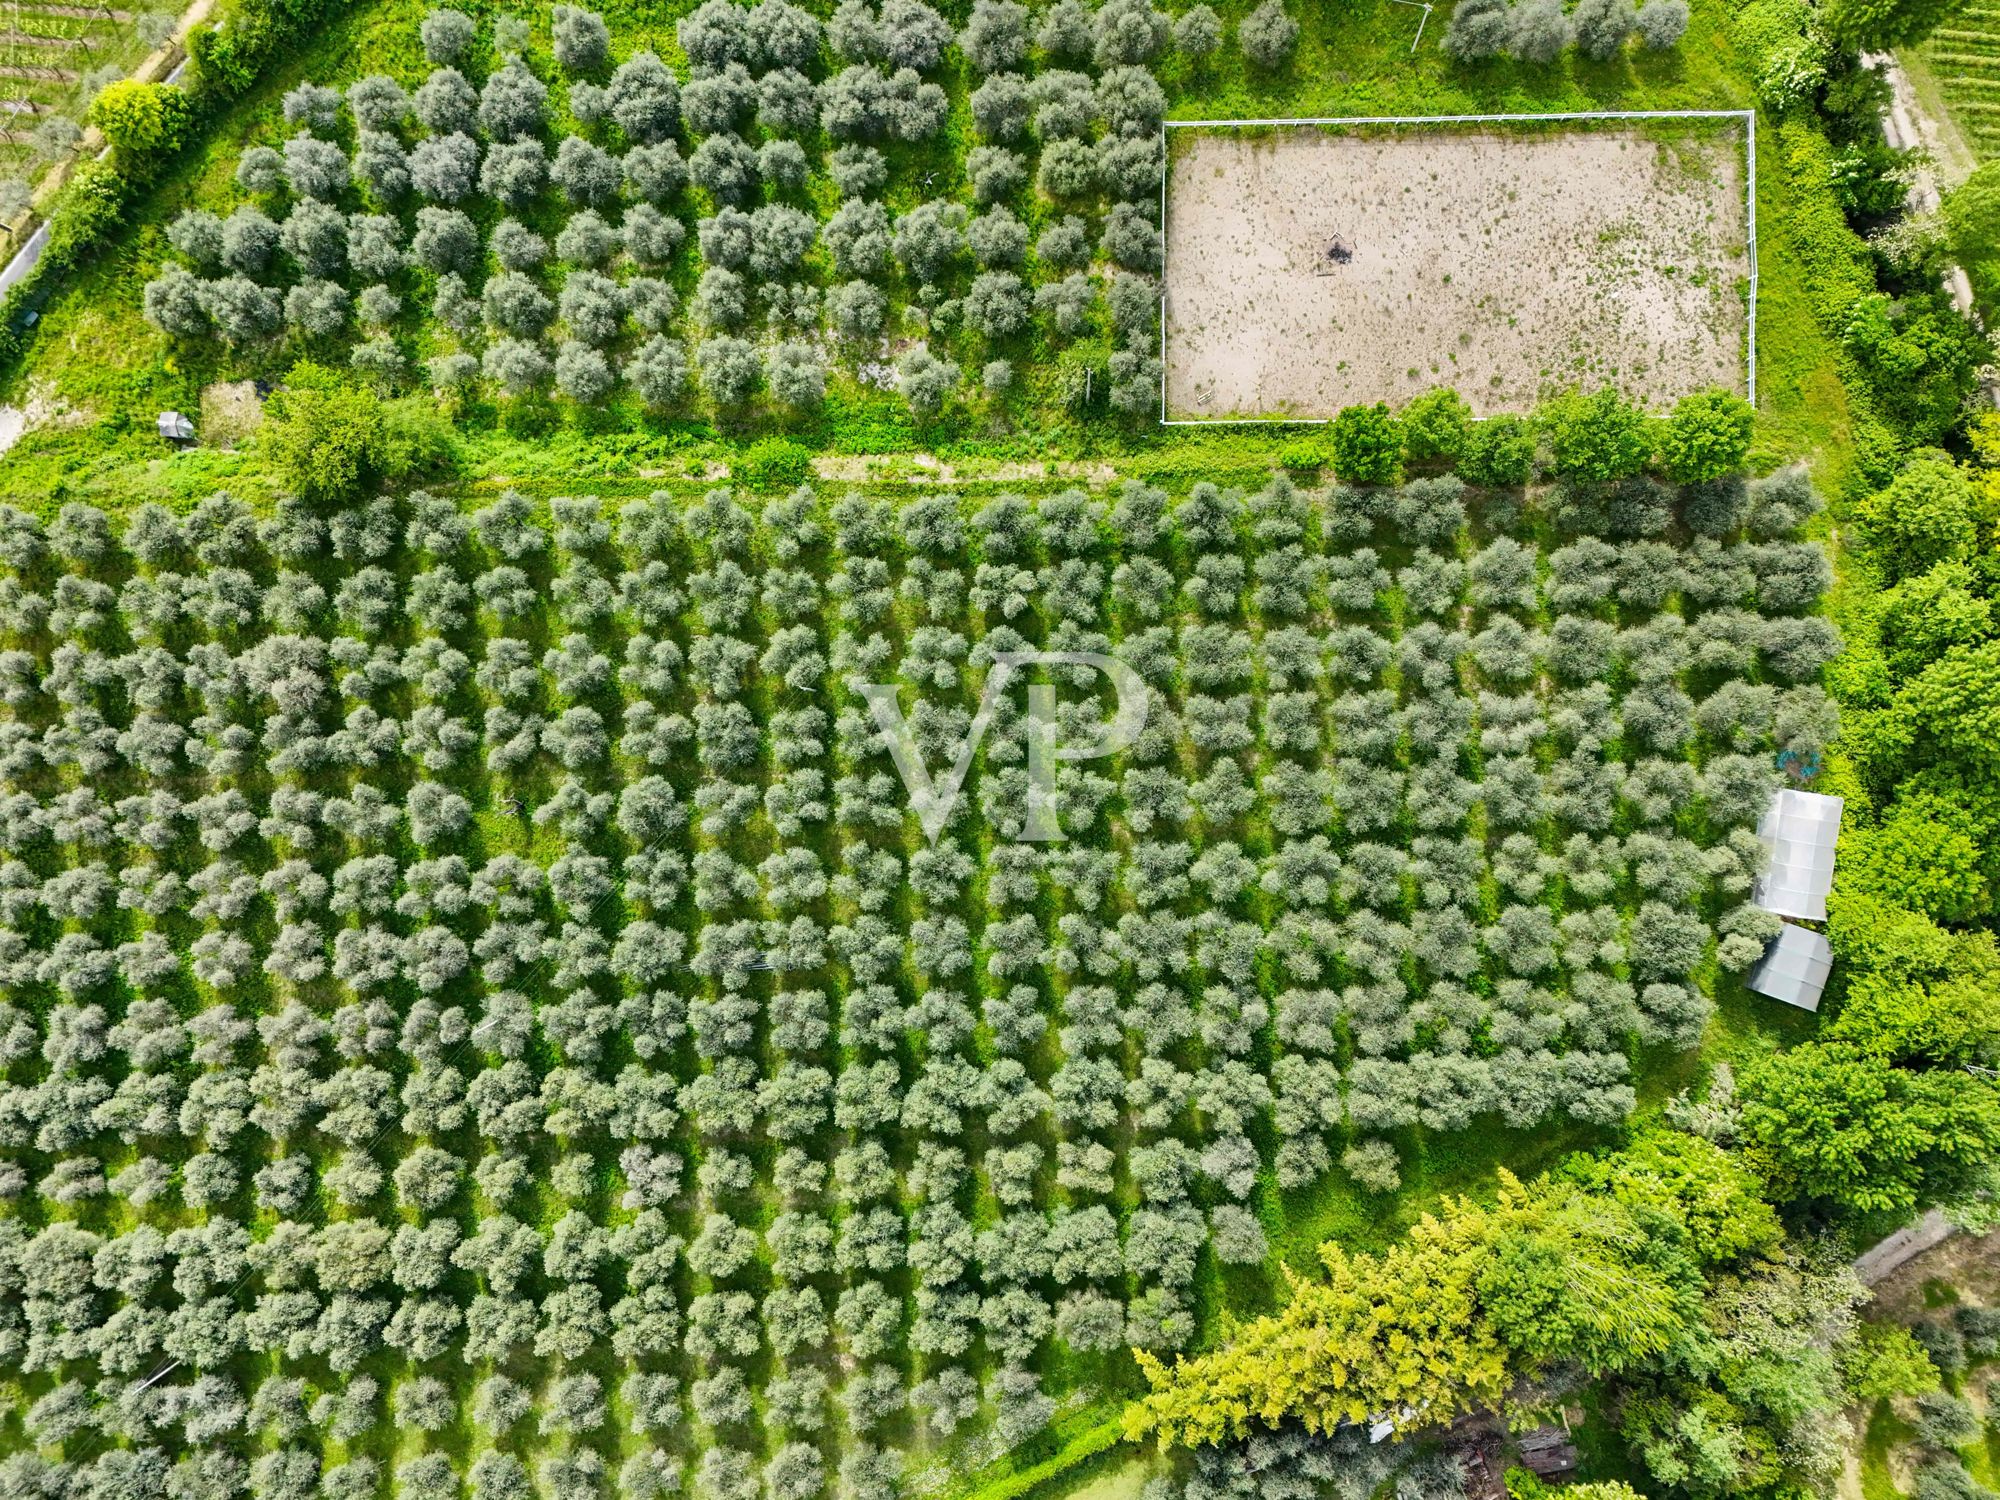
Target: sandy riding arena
[(1308, 270)]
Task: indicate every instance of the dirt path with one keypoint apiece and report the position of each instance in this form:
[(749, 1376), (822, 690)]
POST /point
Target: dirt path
[(1970, 1262), (1907, 125), (1937, 130), (1881, 1260)]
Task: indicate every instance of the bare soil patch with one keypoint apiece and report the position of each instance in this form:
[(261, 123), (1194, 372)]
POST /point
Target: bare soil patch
[(230, 412), (1310, 269), (1970, 1263)]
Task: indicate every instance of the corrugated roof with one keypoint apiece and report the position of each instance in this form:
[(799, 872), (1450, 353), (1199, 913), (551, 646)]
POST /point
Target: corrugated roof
[(1794, 968), (1801, 830)]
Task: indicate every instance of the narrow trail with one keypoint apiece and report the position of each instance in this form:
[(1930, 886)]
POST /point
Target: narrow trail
[(1906, 125), (1891, 1254)]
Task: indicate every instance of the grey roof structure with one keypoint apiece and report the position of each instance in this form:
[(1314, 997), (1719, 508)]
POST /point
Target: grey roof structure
[(1794, 968), (1801, 830)]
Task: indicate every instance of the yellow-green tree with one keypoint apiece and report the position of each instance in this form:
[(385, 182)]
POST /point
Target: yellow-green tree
[(140, 119), (1378, 1335), (1444, 1322)]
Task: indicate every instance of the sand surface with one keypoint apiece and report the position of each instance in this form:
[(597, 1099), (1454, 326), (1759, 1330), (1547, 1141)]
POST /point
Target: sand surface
[(1307, 270)]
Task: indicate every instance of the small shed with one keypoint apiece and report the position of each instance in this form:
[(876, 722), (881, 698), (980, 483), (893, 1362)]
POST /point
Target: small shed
[(1801, 830), (176, 428), (1794, 968), (1547, 1451)]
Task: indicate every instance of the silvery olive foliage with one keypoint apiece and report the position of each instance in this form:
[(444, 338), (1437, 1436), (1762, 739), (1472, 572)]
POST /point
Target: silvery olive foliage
[(623, 164), (512, 909)]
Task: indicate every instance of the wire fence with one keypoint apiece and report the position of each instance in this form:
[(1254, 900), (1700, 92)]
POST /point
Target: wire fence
[(1747, 116)]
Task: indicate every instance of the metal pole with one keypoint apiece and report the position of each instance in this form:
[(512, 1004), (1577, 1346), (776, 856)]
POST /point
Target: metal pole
[(1750, 354)]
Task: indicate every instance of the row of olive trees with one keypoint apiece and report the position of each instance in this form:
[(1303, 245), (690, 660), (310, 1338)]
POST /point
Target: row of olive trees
[(322, 273), (1540, 31)]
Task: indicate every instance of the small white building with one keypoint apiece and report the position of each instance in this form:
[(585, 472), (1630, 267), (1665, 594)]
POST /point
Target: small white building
[(1801, 830), (1794, 968), (175, 428)]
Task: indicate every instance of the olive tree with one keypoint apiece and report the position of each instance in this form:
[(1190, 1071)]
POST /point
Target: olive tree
[(588, 175), (447, 35), (513, 103), (172, 302), (995, 37), (1602, 27), (515, 172), (796, 375), (377, 102), (444, 168), (249, 237), (582, 42), (1197, 33), (997, 305), (1267, 35), (517, 365), (730, 369), (657, 370), (445, 102), (1538, 30), (925, 380), (655, 172), (1662, 23)]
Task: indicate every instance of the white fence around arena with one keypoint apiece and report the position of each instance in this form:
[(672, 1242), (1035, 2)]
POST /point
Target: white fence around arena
[(1747, 116)]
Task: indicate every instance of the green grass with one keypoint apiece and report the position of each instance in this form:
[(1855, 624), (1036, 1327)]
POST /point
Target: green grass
[(1802, 407), (95, 355), (1885, 1431), (69, 49), (1089, 1461), (1963, 56)]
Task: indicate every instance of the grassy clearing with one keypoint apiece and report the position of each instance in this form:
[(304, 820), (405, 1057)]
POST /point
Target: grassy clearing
[(1081, 1457)]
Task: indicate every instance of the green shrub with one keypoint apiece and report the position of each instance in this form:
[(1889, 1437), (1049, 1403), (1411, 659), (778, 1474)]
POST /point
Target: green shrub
[(1595, 438), (242, 37), (1924, 856), (1708, 437), (1302, 455), (1367, 444), (1434, 426), (1835, 258), (1926, 516), (91, 206), (774, 463), (1498, 453), (1887, 1361), (1786, 51), (326, 439), (141, 119)]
